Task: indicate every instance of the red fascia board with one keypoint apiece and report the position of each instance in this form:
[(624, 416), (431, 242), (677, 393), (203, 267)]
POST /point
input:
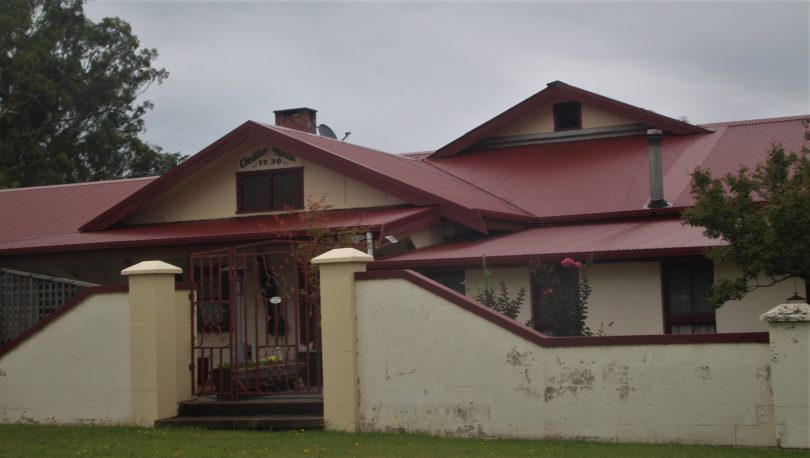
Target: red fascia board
[(410, 224), (189, 233), (543, 340), (493, 125), (560, 90), (610, 216), (58, 313), (666, 123), (255, 131), (177, 174), (496, 224), (469, 217), (526, 259)]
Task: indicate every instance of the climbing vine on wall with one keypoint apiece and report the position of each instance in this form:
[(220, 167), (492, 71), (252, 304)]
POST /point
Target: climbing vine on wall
[(561, 301)]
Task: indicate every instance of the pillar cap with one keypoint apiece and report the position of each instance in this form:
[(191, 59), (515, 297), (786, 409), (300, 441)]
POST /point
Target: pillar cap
[(151, 268), (342, 255), (787, 312)]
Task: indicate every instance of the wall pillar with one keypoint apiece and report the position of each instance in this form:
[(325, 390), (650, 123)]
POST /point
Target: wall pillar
[(153, 341), (789, 328), (341, 395)]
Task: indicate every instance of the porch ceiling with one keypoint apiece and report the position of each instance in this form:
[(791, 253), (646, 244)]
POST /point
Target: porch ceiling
[(383, 220)]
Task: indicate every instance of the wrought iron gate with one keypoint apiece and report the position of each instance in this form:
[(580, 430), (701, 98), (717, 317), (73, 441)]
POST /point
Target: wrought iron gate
[(255, 329)]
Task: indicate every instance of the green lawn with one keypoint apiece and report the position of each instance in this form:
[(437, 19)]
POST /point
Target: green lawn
[(39, 441)]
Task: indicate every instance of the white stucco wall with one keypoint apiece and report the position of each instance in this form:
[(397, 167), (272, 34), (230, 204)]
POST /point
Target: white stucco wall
[(743, 315), (627, 295), (427, 365), (541, 120), (74, 370)]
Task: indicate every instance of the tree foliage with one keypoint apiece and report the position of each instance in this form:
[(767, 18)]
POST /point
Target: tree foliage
[(68, 90), (763, 214)]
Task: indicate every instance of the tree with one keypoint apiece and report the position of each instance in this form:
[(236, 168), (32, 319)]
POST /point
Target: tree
[(68, 90), (763, 214)]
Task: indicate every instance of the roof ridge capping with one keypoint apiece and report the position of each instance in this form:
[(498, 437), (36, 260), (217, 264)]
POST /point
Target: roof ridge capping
[(85, 183), (757, 121), (557, 89)]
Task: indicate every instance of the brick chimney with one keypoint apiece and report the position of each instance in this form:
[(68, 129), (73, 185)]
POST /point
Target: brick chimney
[(297, 118)]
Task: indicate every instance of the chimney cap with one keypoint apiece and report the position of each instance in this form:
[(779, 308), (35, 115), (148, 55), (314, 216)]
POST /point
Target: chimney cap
[(294, 110)]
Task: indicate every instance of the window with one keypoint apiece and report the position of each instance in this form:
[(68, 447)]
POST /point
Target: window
[(686, 285), (567, 116), (267, 190)]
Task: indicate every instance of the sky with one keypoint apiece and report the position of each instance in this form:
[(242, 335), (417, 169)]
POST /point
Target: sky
[(414, 75)]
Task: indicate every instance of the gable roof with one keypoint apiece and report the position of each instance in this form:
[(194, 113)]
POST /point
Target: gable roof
[(596, 178), (413, 181), (557, 90)]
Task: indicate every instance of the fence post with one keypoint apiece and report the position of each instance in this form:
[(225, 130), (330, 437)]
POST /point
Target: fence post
[(153, 340), (789, 328), (341, 394)]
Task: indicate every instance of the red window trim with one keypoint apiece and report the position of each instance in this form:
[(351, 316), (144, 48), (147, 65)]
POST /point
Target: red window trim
[(694, 318), (240, 202)]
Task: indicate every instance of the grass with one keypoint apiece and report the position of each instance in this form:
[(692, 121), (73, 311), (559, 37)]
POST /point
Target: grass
[(62, 441)]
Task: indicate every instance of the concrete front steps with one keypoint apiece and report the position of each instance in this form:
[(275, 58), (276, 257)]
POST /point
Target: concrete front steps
[(267, 414)]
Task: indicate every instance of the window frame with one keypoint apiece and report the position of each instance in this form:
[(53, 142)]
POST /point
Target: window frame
[(685, 319), (270, 173), (555, 115)]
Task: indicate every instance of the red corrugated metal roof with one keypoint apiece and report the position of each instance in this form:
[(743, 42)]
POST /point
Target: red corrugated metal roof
[(413, 177), (29, 213), (559, 91), (233, 229), (614, 240), (414, 181), (581, 179)]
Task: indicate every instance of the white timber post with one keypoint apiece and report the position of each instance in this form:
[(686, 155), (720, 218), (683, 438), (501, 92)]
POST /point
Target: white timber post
[(789, 328), (341, 391), (153, 340)]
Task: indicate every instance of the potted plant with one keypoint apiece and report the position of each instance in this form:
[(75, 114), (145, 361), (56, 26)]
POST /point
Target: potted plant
[(271, 373)]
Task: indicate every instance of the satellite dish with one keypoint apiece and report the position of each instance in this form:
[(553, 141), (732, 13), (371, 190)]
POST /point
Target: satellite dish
[(325, 131)]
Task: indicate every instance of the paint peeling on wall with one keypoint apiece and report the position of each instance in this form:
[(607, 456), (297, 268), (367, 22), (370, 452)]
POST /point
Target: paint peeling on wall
[(570, 381), (516, 358), (703, 372)]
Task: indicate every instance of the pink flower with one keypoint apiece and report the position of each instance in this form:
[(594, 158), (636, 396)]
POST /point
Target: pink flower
[(569, 263), (579, 265), (548, 292)]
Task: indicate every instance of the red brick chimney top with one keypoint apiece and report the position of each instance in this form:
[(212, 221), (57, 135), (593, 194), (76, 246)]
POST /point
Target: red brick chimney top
[(297, 118)]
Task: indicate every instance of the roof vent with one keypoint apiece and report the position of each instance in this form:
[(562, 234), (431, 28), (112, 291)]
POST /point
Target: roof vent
[(656, 170)]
